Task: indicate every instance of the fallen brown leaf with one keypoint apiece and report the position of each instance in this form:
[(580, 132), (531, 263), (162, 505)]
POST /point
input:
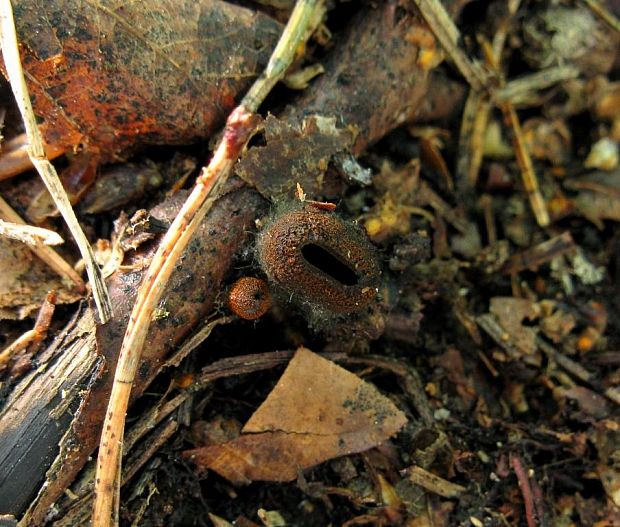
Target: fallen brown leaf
[(294, 154), (316, 412), (157, 72)]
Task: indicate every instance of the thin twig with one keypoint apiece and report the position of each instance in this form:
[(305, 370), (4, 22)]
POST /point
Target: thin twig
[(613, 394), (524, 160), (304, 19), (486, 203), (84, 495), (601, 11), (28, 234), (162, 265), (36, 334), (194, 341), (478, 109), (539, 254), (518, 88), (448, 35), (471, 137), (45, 253), (501, 35), (46, 170), (528, 175), (526, 490), (237, 132), (163, 433), (433, 483)]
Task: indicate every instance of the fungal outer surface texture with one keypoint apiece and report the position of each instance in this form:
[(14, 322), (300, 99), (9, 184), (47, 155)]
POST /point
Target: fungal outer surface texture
[(320, 260), (249, 298)]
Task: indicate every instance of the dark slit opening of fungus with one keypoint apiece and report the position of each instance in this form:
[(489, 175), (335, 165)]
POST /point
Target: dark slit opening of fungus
[(327, 263)]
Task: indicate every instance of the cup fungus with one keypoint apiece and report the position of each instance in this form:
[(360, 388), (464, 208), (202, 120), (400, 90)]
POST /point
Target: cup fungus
[(319, 260)]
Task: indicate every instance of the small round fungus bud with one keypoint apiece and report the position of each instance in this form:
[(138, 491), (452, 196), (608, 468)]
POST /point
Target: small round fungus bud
[(249, 298)]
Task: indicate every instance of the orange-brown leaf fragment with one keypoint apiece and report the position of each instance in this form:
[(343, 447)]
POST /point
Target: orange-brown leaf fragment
[(317, 411), (113, 75)]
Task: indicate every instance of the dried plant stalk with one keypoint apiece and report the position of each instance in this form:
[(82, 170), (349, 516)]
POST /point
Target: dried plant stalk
[(519, 88), (46, 170), (528, 175), (237, 132), (501, 34), (476, 114), (176, 239), (28, 234), (449, 36), (434, 483), (45, 253), (607, 16), (471, 136)]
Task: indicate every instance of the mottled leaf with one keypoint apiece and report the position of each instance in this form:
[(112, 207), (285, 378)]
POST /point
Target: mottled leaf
[(114, 74), (316, 412), (294, 154)]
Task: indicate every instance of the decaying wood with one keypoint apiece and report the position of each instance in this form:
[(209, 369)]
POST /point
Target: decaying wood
[(36, 416), (72, 363), (375, 80)]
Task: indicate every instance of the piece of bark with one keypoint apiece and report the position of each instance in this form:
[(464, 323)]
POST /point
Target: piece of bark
[(32, 425), (39, 411)]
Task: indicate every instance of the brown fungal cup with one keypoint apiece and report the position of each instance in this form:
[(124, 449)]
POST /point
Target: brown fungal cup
[(249, 298), (320, 260)]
